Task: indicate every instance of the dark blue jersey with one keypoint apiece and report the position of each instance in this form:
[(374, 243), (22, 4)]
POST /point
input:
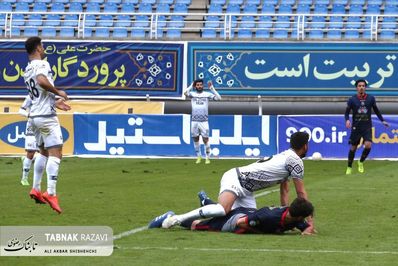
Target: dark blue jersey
[(362, 111), (267, 220)]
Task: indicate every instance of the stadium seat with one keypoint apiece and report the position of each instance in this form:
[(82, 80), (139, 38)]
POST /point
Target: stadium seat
[(235, 2), (96, 1), (114, 1), (145, 8), (334, 34), (373, 10), (168, 2), (141, 21), (57, 7), (71, 20), (185, 2), (244, 34), (18, 20), (304, 2), (34, 20), (280, 34), (340, 2), (15, 32), (351, 34), (303, 9), (102, 33), (375, 2), (111, 8), (389, 23), (123, 21), (90, 21), (209, 33), (320, 9), (75, 7), (212, 22), (366, 34), (250, 9), (180, 8), (391, 10), (282, 22), (264, 22), (22, 7), (48, 32), (21, 1), (215, 9), (93, 7), (387, 35), (29, 32), (391, 2), (39, 7), (150, 2), (262, 33), (88, 32), (119, 33), (233, 9), (138, 33), (163, 8), (336, 22), (253, 2), (268, 9), (78, 1), (2, 19), (355, 10), (67, 32), (357, 2), (315, 34), (61, 1), (128, 8), (176, 22), (287, 2), (105, 21), (247, 22), (161, 22), (285, 9), (353, 23), (134, 2), (322, 2), (271, 2), (5, 7), (338, 9), (223, 34), (173, 34)]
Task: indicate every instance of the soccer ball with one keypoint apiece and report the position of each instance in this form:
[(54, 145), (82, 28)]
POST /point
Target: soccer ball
[(316, 156)]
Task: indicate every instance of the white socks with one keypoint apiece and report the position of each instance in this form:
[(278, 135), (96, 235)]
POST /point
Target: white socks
[(207, 147), (27, 163), (39, 166), (197, 149), (208, 211), (52, 174)]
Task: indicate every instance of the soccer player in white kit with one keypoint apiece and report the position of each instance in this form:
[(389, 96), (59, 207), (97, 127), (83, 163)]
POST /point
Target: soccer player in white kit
[(199, 116), (238, 184), (45, 125)]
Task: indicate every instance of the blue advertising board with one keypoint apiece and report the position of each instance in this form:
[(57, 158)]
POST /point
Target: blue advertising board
[(169, 135), (329, 136), (290, 69), (100, 68)]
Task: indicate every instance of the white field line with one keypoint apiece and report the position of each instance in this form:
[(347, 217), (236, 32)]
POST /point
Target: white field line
[(269, 250), (140, 229)]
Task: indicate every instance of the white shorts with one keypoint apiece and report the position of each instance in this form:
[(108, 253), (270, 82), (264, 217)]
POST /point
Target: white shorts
[(230, 182), (30, 139), (47, 131), (200, 128)]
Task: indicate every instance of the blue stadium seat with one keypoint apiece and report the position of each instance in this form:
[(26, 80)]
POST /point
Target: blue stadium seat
[(271, 2), (389, 23), (180, 8), (163, 8), (119, 33), (351, 34), (366, 34), (233, 9), (93, 7), (141, 21), (75, 7), (215, 9), (387, 35), (304, 2), (244, 34), (169, 2), (114, 1), (338, 9), (353, 23), (57, 7), (15, 32), (253, 2), (303, 9), (235, 2), (264, 22), (355, 9), (90, 21), (340, 2), (375, 2), (2, 19), (134, 2), (61, 1), (88, 32), (373, 10), (71, 20), (315, 34), (145, 8), (78, 1), (53, 20), (138, 33), (105, 21), (391, 10), (29, 32), (212, 22), (336, 22), (334, 34), (280, 34), (320, 9), (48, 32), (391, 2), (223, 34), (209, 33), (268, 9), (161, 21), (18, 20), (128, 8), (159, 34), (9, 1), (247, 22), (173, 34), (67, 32), (95, 1), (110, 8), (40, 7), (262, 33), (282, 22), (5, 7), (250, 9), (123, 21), (288, 2), (34, 20), (285, 9), (102, 33), (151, 2), (322, 2), (21, 7), (21, 1), (185, 2), (176, 22), (358, 2)]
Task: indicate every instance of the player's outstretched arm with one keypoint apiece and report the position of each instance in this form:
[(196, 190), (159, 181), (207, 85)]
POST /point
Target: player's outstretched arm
[(62, 105), (217, 96), (187, 90), (284, 193), (45, 84)]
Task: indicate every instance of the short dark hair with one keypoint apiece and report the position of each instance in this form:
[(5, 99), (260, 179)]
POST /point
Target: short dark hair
[(31, 44), (197, 81), (301, 207), (298, 140), (359, 81)]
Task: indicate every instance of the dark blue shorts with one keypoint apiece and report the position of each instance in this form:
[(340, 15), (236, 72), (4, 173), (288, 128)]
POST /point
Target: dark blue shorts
[(358, 132)]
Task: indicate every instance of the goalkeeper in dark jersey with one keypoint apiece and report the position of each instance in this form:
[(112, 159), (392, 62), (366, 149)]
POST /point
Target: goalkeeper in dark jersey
[(361, 105)]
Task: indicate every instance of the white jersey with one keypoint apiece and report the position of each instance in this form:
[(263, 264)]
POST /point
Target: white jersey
[(200, 105), (27, 103), (272, 171), (43, 102)]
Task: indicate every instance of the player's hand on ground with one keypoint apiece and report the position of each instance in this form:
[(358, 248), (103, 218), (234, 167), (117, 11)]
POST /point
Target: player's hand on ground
[(348, 124), (386, 124), (62, 105), (63, 94), (309, 231)]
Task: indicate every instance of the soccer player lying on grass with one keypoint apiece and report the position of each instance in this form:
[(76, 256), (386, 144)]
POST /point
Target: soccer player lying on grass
[(267, 220)]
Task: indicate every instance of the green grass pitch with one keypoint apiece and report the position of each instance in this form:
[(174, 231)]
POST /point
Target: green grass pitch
[(356, 216)]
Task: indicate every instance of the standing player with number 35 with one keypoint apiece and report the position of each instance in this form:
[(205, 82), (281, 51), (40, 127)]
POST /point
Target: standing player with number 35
[(43, 118)]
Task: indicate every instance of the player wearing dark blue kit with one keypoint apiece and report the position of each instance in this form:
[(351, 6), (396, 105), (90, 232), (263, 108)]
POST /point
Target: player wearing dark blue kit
[(361, 105), (267, 220)]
